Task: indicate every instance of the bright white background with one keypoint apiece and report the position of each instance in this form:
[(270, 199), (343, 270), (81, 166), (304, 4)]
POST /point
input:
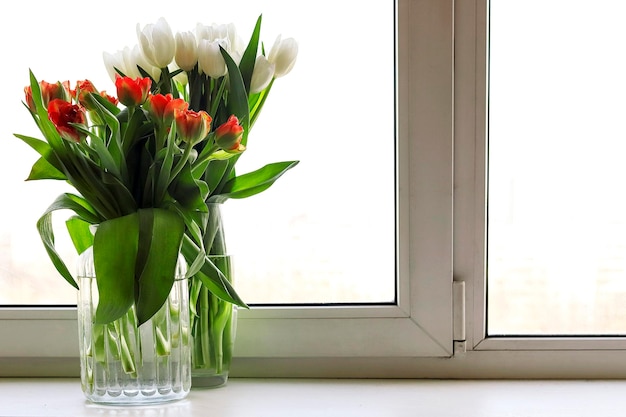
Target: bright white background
[(302, 241)]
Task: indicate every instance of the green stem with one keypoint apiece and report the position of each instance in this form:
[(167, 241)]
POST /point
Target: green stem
[(219, 319), (119, 339), (129, 343), (205, 155), (205, 334), (181, 163), (161, 332)]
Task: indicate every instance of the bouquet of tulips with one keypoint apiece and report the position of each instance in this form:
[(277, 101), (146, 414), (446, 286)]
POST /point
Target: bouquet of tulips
[(147, 162)]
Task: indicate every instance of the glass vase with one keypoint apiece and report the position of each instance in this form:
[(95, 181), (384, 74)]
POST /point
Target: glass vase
[(213, 320), (124, 364)]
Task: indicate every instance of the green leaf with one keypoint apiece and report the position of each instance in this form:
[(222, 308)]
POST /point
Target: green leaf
[(237, 105), (192, 221), (188, 191), (44, 124), (104, 102), (44, 226), (165, 168), (115, 251), (77, 204), (215, 171), (256, 103), (104, 156), (211, 276), (237, 96), (43, 149), (80, 233), (123, 197), (192, 218), (43, 170), (112, 154), (252, 183), (248, 58), (160, 234)]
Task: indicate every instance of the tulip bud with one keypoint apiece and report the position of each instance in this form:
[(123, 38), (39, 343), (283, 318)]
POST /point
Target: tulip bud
[(192, 127), (262, 74), (283, 54), (64, 116), (132, 92), (186, 51), (83, 89), (49, 92), (228, 136), (111, 99), (157, 43), (170, 110), (161, 108), (155, 106)]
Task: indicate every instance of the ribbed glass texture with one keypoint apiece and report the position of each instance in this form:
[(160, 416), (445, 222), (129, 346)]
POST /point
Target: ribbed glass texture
[(125, 364)]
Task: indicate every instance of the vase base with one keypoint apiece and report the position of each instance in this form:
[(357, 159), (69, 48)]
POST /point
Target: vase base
[(209, 381), (135, 397)]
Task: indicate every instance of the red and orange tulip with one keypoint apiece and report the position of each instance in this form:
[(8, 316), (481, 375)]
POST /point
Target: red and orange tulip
[(64, 115), (192, 127), (132, 92)]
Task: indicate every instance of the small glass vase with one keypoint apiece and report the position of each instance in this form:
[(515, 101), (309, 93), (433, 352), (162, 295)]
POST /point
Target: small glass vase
[(213, 329), (124, 364)]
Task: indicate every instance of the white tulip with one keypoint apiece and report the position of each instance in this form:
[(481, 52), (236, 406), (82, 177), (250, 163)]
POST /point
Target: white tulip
[(186, 50), (203, 32), (210, 59), (229, 31), (157, 43), (130, 62), (127, 61), (113, 61), (262, 74), (283, 54), (135, 58), (234, 44)]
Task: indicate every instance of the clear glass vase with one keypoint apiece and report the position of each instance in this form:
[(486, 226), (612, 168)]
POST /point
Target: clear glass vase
[(213, 321), (125, 364)]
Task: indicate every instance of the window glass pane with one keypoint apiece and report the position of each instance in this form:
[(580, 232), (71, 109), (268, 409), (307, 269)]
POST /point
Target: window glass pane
[(324, 233), (557, 206)]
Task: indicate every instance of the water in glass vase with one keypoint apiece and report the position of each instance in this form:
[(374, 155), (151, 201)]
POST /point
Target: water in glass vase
[(213, 324), (122, 363)]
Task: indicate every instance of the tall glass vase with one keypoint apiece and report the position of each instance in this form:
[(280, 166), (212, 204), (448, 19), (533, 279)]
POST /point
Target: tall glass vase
[(122, 363), (213, 320)]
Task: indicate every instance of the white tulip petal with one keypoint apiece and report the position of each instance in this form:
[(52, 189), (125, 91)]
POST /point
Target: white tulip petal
[(113, 61), (210, 59), (283, 54), (186, 55), (157, 43), (262, 74)]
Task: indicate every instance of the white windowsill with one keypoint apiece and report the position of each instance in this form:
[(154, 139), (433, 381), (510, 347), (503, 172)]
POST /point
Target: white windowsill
[(345, 398)]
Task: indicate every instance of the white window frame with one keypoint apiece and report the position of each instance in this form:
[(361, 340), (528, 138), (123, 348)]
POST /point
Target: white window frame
[(442, 131), (335, 341), (495, 357)]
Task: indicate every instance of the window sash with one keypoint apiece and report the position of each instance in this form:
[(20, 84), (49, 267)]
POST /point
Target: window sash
[(420, 325), (551, 357)]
